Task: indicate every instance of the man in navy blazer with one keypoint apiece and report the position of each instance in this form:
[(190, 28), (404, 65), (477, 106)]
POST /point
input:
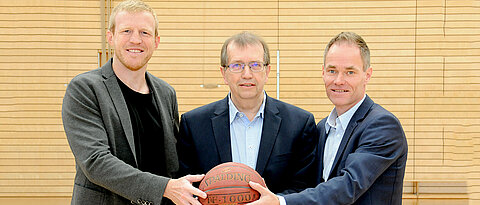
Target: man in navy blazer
[(275, 138), (362, 150)]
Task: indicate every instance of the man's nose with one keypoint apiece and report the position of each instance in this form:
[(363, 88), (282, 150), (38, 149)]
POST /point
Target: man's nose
[(247, 72), (135, 38), (339, 79)]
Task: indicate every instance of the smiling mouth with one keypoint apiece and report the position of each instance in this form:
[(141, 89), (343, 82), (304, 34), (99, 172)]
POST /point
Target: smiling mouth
[(339, 91), (134, 50), (247, 84)]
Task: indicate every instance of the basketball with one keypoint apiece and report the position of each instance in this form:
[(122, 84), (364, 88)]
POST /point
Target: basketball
[(227, 183)]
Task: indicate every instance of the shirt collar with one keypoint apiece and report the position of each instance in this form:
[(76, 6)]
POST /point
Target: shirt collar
[(233, 111), (344, 118)]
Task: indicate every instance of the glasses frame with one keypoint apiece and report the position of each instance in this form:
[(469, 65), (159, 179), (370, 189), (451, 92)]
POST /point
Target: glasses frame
[(244, 65)]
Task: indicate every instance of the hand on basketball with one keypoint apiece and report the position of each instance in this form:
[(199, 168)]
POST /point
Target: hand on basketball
[(266, 196), (181, 190)]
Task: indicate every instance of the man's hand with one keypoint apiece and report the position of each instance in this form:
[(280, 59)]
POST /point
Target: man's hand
[(266, 196), (181, 191)]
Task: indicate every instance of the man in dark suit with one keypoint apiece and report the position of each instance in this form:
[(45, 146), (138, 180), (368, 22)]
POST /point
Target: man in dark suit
[(274, 138), (121, 121), (362, 150)]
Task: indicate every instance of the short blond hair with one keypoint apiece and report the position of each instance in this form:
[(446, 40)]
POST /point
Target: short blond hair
[(132, 6)]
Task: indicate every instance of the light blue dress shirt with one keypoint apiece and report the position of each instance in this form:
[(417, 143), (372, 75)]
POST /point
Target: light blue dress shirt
[(335, 128), (245, 135)]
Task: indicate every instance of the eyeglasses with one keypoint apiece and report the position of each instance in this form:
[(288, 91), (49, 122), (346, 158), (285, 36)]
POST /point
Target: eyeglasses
[(239, 67)]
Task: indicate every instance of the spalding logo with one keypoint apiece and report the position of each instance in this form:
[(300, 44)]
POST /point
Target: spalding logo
[(232, 176)]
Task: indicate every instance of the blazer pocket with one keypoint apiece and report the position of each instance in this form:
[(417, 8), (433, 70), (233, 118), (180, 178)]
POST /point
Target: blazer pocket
[(83, 195)]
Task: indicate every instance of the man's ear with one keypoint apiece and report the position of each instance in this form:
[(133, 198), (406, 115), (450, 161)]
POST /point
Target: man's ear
[(267, 71), (368, 74), (223, 70), (157, 41), (110, 37)]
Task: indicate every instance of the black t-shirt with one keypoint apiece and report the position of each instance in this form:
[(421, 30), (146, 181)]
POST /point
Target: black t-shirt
[(147, 130)]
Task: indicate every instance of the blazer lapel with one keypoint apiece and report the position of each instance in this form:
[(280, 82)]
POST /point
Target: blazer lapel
[(271, 125), (221, 131), (168, 127), (120, 105), (359, 115), (321, 147)]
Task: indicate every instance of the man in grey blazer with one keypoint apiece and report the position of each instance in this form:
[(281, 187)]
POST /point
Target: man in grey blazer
[(362, 150), (121, 122)]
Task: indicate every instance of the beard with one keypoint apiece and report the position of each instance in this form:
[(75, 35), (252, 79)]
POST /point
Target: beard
[(133, 63)]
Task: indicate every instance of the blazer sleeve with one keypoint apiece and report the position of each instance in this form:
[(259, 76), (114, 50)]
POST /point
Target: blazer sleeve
[(380, 143), (85, 127)]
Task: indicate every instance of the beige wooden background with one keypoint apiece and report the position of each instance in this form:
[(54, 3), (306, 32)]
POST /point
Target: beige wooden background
[(425, 57)]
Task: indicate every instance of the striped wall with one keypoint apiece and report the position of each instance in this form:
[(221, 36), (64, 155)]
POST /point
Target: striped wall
[(425, 56)]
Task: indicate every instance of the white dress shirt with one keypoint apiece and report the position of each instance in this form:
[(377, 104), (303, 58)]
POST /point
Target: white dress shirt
[(245, 135)]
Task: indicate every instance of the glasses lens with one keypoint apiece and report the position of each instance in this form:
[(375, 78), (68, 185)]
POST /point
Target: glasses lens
[(256, 66), (236, 67)]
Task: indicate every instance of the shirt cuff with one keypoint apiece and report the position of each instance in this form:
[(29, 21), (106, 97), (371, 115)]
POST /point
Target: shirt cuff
[(281, 199)]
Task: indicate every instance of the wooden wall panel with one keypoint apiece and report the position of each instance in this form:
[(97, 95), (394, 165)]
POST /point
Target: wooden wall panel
[(43, 45), (192, 34), (425, 56)]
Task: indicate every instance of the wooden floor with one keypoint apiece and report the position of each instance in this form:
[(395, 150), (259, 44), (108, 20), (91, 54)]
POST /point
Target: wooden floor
[(434, 201), (35, 200)]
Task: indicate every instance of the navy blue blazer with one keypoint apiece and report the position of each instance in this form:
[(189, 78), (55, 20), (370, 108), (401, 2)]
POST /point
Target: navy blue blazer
[(370, 163), (287, 147)]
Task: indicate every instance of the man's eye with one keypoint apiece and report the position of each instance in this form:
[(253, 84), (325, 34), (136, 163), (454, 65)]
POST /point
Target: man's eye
[(350, 72), (255, 64), (331, 71), (236, 65)]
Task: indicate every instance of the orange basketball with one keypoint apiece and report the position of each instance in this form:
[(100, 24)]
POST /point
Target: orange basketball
[(227, 183)]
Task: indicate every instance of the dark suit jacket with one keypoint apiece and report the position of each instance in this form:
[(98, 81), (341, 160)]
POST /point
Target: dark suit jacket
[(99, 131), (370, 163), (286, 153)]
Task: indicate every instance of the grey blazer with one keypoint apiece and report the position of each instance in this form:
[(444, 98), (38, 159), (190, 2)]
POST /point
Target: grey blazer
[(99, 131)]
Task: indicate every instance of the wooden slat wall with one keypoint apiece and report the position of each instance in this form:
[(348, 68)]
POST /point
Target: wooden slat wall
[(43, 45), (424, 54), (192, 34)]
